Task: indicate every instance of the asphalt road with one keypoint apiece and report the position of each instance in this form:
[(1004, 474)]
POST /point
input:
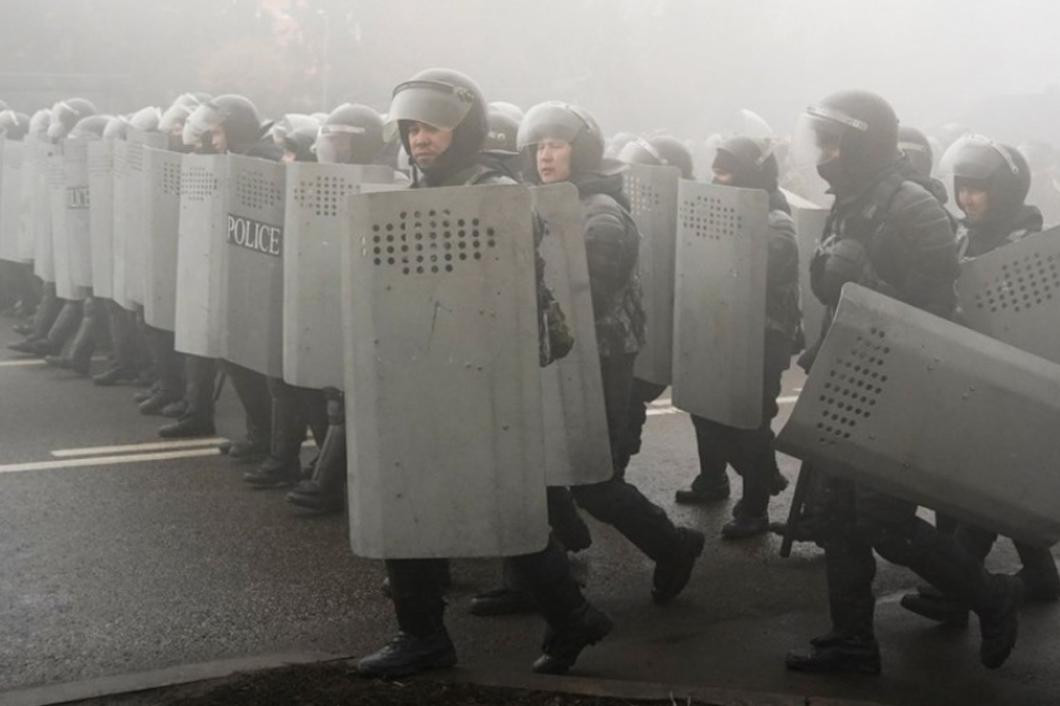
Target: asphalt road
[(112, 567)]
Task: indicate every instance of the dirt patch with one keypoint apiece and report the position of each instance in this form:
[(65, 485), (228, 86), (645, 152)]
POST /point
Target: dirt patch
[(337, 683)]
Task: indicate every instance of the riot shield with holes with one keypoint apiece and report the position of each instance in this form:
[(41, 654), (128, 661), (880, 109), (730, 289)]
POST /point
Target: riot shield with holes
[(652, 195), (720, 305), (78, 237), (161, 227), (41, 211), (1013, 294), (201, 254), (26, 243), (136, 235), (253, 334), (316, 221), (932, 412), (577, 446), (443, 389), (11, 201), (101, 215), (61, 246), (122, 226), (809, 225)]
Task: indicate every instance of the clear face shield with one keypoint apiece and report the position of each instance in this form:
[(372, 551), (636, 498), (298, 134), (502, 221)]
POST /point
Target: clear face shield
[(974, 159), (550, 121), (8, 119), (200, 123), (335, 143), (172, 121), (440, 105)]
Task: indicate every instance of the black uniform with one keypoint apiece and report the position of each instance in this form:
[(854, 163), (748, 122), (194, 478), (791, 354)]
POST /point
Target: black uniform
[(892, 235)]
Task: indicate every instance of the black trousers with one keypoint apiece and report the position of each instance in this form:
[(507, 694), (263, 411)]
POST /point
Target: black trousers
[(644, 393), (125, 344), (294, 409), (860, 521), (1039, 569), (252, 389), (168, 364), (749, 451), (616, 501), (417, 591)]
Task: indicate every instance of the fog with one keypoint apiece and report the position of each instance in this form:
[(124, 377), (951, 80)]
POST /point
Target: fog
[(640, 65)]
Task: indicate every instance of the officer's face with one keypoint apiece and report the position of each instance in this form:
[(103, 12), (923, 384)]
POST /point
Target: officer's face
[(553, 161), (427, 143), (974, 202), (723, 177), (218, 139), (289, 156)]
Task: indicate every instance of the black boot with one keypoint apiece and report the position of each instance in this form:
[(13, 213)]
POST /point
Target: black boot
[(1038, 573), (563, 645), (999, 620), (672, 575), (325, 490), (744, 526), (115, 375), (84, 342), (408, 654), (187, 427), (283, 466), (567, 525), (835, 654), (158, 401), (931, 604)]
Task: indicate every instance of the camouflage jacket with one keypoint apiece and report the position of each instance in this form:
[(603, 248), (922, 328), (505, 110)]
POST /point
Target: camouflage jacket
[(612, 244)]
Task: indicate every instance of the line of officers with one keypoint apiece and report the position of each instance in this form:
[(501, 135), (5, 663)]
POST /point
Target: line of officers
[(888, 229)]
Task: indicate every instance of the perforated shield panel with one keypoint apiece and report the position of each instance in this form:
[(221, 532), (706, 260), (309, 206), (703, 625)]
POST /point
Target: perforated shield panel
[(932, 412), (719, 319), (41, 211), (316, 221), (135, 234), (61, 246), (122, 224), (443, 389), (652, 195), (1013, 294), (10, 200), (253, 337), (577, 447), (201, 255), (78, 238), (162, 226), (101, 215)]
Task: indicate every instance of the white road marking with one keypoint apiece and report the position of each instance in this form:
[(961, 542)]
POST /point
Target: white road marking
[(106, 460), (129, 448), (21, 363), (655, 411)]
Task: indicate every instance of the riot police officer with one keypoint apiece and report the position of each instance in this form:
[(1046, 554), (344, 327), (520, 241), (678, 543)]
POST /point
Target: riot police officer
[(990, 184), (890, 234), (441, 117), (18, 276), (351, 134), (748, 163), (227, 123), (564, 143)]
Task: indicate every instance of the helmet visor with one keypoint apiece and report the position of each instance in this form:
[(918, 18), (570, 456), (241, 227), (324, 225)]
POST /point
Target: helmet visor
[(550, 121), (63, 119), (440, 105), (975, 157), (335, 143), (203, 120), (816, 140)]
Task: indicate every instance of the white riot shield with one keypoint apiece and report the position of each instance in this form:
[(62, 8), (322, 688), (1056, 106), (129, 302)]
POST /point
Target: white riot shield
[(443, 388), (61, 260), (122, 225), (577, 446), (810, 222), (720, 310), (78, 203), (161, 228), (316, 221), (26, 243), (652, 195), (11, 201), (201, 255), (253, 336), (41, 212), (135, 232), (930, 411), (1013, 294), (101, 215)]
